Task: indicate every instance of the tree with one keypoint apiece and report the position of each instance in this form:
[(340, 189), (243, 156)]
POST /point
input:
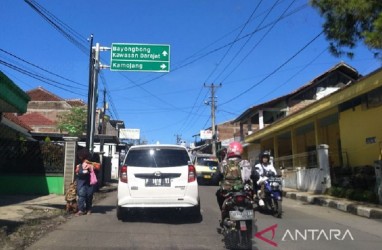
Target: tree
[(348, 22), (73, 122)]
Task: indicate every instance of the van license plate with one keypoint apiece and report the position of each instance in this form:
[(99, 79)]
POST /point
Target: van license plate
[(158, 182)]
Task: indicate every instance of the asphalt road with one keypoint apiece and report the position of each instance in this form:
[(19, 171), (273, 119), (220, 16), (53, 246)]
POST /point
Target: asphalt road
[(303, 226)]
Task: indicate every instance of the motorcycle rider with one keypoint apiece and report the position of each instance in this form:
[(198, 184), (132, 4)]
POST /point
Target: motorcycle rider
[(230, 176), (261, 170)]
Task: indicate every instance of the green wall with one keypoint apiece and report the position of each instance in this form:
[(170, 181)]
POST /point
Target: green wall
[(29, 184)]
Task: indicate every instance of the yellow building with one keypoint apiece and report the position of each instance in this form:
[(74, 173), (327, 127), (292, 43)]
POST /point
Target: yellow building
[(348, 120)]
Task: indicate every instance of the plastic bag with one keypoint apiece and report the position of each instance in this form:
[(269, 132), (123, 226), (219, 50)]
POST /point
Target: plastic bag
[(93, 178)]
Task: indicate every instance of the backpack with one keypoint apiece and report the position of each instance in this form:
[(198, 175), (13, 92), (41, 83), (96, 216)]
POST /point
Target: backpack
[(232, 177)]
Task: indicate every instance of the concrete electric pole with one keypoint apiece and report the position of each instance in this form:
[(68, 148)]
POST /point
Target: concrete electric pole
[(95, 67), (213, 107)]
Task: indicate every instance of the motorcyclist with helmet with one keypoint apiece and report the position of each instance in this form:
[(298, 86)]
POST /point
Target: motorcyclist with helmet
[(231, 177), (261, 170)]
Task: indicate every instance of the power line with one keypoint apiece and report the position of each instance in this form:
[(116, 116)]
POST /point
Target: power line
[(37, 77), (277, 69), (214, 50), (34, 65), (69, 33), (298, 72), (253, 48), (236, 38), (65, 31)]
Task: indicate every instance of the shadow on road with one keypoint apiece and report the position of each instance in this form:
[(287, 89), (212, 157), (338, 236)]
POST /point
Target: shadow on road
[(166, 216)]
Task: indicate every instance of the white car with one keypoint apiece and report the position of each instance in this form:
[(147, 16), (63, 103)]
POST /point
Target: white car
[(157, 176)]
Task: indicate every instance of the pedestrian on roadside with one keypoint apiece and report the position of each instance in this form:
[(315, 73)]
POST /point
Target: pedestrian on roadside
[(85, 190)]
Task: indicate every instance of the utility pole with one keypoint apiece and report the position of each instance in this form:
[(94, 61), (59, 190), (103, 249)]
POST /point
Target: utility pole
[(95, 67), (103, 131), (90, 91), (93, 97), (213, 107), (178, 138)]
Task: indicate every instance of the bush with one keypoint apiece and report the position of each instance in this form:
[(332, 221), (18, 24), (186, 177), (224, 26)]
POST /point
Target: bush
[(370, 196), (357, 195), (349, 193), (337, 191), (354, 194)]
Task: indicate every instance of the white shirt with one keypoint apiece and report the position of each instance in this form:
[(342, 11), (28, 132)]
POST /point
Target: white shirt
[(245, 167), (268, 167)]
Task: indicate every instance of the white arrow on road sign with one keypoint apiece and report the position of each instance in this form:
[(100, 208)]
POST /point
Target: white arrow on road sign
[(164, 53), (163, 66)]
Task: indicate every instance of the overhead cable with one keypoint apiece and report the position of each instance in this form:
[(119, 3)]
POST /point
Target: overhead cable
[(34, 65), (274, 71)]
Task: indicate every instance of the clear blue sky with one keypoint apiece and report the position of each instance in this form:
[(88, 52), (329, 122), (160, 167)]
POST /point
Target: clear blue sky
[(242, 44)]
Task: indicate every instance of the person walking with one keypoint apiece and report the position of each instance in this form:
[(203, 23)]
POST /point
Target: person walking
[(85, 189)]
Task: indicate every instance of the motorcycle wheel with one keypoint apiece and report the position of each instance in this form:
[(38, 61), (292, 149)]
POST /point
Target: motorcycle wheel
[(231, 240), (246, 236), (278, 208)]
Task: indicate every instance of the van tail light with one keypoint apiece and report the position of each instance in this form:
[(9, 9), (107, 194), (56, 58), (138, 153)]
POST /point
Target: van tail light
[(191, 173), (123, 174)]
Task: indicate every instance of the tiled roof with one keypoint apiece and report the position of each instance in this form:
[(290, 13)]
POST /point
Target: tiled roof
[(41, 94), (33, 119), (13, 118), (76, 102), (342, 67)]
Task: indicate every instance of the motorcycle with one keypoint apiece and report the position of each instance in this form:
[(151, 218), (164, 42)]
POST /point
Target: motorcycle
[(237, 218), (272, 194)]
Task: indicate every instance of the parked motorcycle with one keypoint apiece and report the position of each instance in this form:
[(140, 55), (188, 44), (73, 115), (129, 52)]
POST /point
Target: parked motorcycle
[(272, 196), (236, 225)]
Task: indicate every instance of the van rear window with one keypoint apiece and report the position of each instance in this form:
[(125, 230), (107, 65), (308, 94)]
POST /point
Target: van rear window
[(155, 157)]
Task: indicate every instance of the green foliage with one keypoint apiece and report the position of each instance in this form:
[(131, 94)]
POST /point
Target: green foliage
[(335, 191), (354, 194), (73, 122), (348, 22)]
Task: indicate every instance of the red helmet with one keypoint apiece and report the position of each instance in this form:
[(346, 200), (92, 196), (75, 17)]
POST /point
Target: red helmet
[(235, 149)]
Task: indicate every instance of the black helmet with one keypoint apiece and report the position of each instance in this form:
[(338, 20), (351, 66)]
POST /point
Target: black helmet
[(266, 154)]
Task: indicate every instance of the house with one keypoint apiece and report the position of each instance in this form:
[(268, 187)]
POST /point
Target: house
[(43, 114), (226, 133), (263, 117), (44, 111), (346, 122)]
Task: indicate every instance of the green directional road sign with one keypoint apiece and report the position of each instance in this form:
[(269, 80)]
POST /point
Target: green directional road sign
[(140, 57)]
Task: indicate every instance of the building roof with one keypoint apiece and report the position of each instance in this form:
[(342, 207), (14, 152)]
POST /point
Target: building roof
[(360, 87), (342, 67), (76, 102), (13, 118), (121, 124), (33, 119), (41, 94)]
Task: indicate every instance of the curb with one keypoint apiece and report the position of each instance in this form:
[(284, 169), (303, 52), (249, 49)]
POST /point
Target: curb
[(367, 211)]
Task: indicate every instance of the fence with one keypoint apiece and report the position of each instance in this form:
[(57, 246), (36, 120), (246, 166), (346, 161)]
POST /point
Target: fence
[(31, 157), (307, 171), (296, 161)]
